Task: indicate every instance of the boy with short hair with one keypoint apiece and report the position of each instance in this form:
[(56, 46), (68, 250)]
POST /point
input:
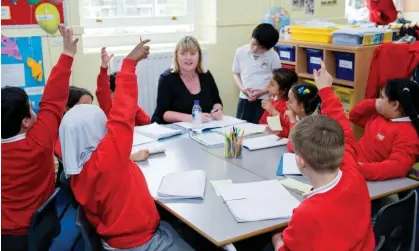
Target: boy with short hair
[(27, 145), (252, 68), (336, 214)]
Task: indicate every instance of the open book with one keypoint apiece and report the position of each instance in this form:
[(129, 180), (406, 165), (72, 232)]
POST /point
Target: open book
[(264, 142), (210, 139), (213, 124), (140, 139), (288, 165), (256, 201), (183, 185), (156, 131), (248, 128)]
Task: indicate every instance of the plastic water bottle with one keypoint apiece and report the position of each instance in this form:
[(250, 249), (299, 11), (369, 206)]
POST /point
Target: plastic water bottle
[(196, 112)]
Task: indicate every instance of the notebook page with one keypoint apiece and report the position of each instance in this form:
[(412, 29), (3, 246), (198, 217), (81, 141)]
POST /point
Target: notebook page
[(188, 184), (264, 142), (208, 139), (240, 191), (226, 121), (248, 128), (295, 185), (289, 165), (140, 139), (274, 123), (156, 131)]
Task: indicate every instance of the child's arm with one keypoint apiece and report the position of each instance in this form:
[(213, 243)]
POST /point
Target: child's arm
[(363, 112), (298, 234), (141, 117), (103, 92), (402, 157), (45, 130), (236, 72)]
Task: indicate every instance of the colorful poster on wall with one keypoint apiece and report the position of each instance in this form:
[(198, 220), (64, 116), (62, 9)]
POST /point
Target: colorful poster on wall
[(22, 66)]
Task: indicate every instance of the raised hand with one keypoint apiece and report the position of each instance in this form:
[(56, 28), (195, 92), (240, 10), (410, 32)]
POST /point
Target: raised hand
[(140, 51), (106, 58), (322, 78), (69, 43)]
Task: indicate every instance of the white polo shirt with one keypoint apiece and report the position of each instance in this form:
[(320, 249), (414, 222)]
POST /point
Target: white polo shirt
[(255, 69)]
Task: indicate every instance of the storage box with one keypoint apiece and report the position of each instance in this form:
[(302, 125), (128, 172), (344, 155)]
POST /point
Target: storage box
[(345, 65), (314, 56), (346, 96), (286, 52), (362, 36), (312, 34)]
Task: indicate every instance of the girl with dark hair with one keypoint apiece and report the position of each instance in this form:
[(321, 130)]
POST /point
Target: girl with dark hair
[(390, 143), (78, 95)]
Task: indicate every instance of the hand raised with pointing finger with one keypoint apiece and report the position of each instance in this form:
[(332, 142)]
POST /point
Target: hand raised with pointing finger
[(140, 51), (322, 78), (69, 43)]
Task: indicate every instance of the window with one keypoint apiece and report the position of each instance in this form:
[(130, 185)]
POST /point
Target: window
[(106, 21)]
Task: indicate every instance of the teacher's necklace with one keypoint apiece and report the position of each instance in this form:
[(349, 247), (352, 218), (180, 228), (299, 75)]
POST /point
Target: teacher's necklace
[(188, 77)]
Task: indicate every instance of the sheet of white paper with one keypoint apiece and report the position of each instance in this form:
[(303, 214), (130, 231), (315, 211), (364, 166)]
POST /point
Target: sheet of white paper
[(289, 164), (13, 75), (295, 185), (187, 184), (248, 128), (218, 183), (264, 142), (156, 131), (226, 121), (274, 123), (140, 139), (210, 139), (240, 191)]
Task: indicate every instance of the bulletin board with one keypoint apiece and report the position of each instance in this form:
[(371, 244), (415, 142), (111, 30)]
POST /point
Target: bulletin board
[(21, 13), (22, 66)]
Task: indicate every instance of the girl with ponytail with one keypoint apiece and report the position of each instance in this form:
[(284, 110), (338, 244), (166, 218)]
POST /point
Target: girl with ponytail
[(390, 143)]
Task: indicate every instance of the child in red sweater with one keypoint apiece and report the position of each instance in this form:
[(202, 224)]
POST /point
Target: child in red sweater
[(27, 168), (281, 81), (335, 215), (106, 89), (390, 144), (110, 187)]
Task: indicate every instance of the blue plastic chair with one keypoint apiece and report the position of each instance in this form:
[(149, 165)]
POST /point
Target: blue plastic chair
[(88, 233), (395, 227), (45, 225)]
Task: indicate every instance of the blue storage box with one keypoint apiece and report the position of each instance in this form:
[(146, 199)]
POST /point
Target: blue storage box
[(345, 65), (286, 52), (314, 56)]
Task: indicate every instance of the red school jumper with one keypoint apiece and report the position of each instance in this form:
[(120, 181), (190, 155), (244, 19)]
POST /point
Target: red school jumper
[(103, 94), (336, 216), (388, 148), (281, 106), (111, 188), (27, 168)]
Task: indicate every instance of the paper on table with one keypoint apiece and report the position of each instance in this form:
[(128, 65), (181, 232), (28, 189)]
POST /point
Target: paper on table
[(289, 165), (156, 131), (226, 121), (264, 142), (240, 191), (13, 75), (210, 139), (140, 139), (218, 183), (183, 185), (274, 123), (248, 128), (296, 185)]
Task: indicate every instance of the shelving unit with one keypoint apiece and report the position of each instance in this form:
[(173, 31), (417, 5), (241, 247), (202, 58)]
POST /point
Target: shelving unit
[(363, 56)]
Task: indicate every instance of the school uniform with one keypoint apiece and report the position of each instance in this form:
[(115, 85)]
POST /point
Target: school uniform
[(337, 215), (388, 148), (110, 187), (103, 94), (255, 72), (28, 173), (281, 106)]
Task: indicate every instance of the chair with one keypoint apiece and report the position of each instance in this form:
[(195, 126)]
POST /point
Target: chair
[(60, 171), (90, 237), (45, 225), (65, 186), (395, 228)]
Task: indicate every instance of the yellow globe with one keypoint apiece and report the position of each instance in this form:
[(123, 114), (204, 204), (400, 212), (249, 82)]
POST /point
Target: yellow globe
[(48, 17)]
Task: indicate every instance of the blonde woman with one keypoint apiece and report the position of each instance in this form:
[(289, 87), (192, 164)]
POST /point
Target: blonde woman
[(184, 83)]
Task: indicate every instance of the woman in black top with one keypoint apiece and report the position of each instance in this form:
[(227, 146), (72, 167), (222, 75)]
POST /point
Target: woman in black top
[(186, 82)]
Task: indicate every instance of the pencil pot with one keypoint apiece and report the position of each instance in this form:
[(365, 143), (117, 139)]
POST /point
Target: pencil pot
[(232, 150)]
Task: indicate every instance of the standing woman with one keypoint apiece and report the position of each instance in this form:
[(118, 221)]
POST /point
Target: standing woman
[(186, 82)]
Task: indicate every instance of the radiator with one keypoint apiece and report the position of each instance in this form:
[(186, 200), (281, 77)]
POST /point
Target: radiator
[(148, 72)]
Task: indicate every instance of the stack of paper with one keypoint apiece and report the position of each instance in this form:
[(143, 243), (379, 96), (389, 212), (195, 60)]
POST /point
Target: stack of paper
[(156, 131), (140, 139), (295, 185), (256, 201), (153, 148), (183, 185), (210, 139), (248, 128), (213, 124), (264, 142), (288, 165)]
